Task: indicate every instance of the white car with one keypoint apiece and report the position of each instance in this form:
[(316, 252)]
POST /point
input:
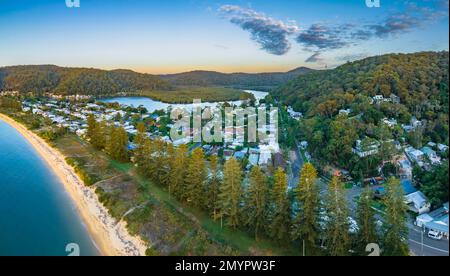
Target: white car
[(435, 235)]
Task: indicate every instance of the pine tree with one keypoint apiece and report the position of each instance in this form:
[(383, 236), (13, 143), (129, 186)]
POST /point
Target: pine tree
[(231, 192), (92, 127), (306, 226), (256, 201), (117, 144), (396, 231), (177, 185), (167, 164), (140, 141), (337, 232), (100, 135), (195, 179), (366, 221), (213, 187), (281, 215)]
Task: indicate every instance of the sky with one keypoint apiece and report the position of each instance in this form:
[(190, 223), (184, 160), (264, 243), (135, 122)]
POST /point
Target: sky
[(161, 37)]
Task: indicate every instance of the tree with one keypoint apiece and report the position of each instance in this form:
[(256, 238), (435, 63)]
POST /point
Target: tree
[(231, 192), (92, 127), (213, 187), (395, 229), (306, 226), (256, 201), (117, 144), (195, 179), (281, 215), (435, 184), (337, 230), (367, 232), (177, 185)]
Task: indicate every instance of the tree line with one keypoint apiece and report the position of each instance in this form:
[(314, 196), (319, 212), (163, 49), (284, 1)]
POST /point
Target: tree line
[(259, 203)]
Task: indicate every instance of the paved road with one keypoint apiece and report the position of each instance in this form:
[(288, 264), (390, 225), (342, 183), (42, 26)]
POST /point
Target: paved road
[(296, 165), (430, 247)]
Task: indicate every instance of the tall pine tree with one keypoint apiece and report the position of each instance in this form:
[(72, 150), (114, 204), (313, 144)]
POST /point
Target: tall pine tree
[(367, 232), (306, 225), (231, 192), (256, 201), (337, 230), (281, 211), (213, 186), (195, 179), (396, 230)]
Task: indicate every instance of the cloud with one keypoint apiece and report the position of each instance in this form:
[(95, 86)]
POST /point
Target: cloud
[(272, 35), (321, 37), (314, 58), (352, 57)]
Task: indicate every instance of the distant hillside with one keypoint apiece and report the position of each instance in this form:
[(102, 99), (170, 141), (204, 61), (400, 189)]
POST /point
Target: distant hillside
[(62, 80), (67, 81), (240, 80), (419, 79)]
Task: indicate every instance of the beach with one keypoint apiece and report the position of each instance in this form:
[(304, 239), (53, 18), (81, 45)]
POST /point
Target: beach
[(111, 236)]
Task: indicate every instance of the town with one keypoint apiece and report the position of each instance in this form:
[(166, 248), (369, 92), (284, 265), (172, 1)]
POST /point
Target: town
[(71, 113)]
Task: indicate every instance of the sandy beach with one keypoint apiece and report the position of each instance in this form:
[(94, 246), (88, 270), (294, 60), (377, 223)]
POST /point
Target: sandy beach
[(111, 236)]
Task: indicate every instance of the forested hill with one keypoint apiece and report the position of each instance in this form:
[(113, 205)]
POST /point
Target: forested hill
[(68, 81), (419, 79), (241, 80)]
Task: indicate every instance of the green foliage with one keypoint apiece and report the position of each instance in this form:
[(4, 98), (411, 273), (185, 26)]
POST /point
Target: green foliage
[(281, 213), (40, 79), (395, 229), (306, 223), (435, 184), (337, 230), (231, 192)]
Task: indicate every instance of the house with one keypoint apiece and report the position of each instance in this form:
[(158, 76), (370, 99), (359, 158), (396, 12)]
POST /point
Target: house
[(378, 98), (390, 122), (304, 145), (395, 99), (405, 169), (345, 112), (418, 203), (431, 154), (436, 220), (415, 155), (239, 155), (442, 147), (253, 159), (366, 147)]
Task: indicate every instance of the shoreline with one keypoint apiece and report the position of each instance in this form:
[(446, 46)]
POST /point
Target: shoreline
[(111, 237)]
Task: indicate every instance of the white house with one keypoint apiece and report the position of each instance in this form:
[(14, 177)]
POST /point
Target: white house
[(415, 155), (418, 203), (366, 148)]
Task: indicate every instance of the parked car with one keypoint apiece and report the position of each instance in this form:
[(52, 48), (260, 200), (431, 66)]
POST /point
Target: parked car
[(435, 235)]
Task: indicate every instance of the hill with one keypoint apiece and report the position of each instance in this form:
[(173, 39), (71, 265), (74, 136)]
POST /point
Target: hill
[(418, 115), (238, 80), (419, 79), (68, 81)]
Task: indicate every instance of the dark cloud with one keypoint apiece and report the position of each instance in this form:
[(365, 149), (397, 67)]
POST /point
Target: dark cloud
[(272, 35), (314, 58), (321, 37)]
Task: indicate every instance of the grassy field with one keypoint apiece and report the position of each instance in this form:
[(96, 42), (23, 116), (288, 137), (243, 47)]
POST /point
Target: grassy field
[(188, 94), (172, 229)]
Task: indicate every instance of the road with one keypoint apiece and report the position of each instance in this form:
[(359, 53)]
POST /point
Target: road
[(296, 165), (430, 247)]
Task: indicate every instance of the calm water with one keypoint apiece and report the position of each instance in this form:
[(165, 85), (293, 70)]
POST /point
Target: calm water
[(37, 216), (152, 105)]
